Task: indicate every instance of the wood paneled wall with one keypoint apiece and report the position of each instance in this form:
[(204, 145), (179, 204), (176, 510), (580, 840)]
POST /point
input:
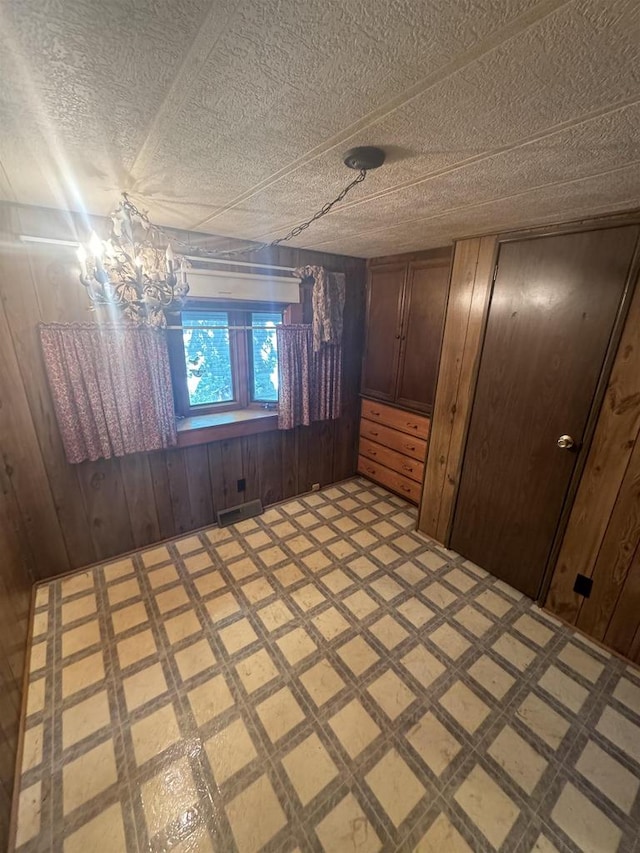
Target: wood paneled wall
[(469, 291)]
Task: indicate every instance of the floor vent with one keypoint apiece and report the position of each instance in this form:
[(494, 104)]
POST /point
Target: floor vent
[(239, 513)]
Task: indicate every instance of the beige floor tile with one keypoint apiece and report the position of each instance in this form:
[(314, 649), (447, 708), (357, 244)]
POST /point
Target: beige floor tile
[(246, 526), (416, 612), (222, 606), (323, 534), (487, 805), (337, 581), (155, 556), (389, 632), (322, 682), (491, 676), (583, 663), (168, 795), (362, 567), (391, 694), (439, 595), (154, 733), (194, 659), (434, 743), (543, 720), (621, 732), (257, 590), (229, 750), (358, 655), (309, 768), (533, 630), (406, 543), (609, 776), (384, 529), (308, 597), (629, 694), (267, 817), (563, 688), (512, 650), (38, 656), (288, 575), (209, 582), (92, 835), (385, 554), (365, 516), (283, 529), (210, 699), (42, 595), (79, 608), (450, 641), (299, 544), (296, 645), (198, 841), (118, 569), (494, 603), (471, 618), (135, 648), (32, 748), (361, 604), (198, 563), (163, 576), (85, 718), (272, 556), (518, 759), (123, 591), (171, 599), (258, 539), (80, 582), (396, 787), (354, 728), (543, 845), (465, 707), (89, 775), (460, 580), (279, 714), (182, 626), (346, 828), (228, 551), (188, 544), (77, 676), (274, 615), (422, 665), (35, 696), (330, 623), (238, 635), (431, 560), (40, 623), (29, 813), (128, 617), (588, 827), (342, 548), (144, 686), (410, 573), (442, 837), (256, 670), (216, 535), (243, 568), (316, 561), (386, 587)]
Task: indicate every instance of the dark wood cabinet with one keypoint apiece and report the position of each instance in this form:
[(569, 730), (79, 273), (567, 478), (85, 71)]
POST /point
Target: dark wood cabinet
[(406, 304)]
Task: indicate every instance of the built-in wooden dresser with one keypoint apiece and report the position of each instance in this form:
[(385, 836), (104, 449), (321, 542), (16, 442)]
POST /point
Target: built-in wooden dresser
[(393, 446)]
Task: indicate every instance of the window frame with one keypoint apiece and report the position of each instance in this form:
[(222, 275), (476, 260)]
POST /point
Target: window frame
[(240, 348)]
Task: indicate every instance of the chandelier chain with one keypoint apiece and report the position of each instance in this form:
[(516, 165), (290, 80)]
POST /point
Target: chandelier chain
[(295, 232)]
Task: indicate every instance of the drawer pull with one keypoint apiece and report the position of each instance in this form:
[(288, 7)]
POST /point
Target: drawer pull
[(373, 412), (410, 446), (412, 426), (373, 452), (371, 470), (408, 468), (405, 488), (371, 432)]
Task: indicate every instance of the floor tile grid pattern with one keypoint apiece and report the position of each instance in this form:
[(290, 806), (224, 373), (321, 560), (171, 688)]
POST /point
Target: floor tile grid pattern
[(421, 648)]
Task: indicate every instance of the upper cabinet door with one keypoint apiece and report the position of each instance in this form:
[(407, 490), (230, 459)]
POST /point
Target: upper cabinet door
[(382, 350), (421, 336)]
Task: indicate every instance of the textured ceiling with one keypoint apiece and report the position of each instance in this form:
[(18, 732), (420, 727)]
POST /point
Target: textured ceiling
[(231, 116)]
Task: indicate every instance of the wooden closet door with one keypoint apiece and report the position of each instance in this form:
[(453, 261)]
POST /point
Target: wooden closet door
[(552, 312), (423, 321), (382, 349)]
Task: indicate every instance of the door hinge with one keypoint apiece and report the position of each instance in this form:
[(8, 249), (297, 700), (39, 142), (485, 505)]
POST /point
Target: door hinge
[(495, 273), (583, 585)]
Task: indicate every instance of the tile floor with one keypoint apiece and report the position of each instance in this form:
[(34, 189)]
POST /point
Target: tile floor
[(320, 678)]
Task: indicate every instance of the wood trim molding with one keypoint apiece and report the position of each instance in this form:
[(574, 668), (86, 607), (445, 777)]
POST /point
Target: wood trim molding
[(470, 289)]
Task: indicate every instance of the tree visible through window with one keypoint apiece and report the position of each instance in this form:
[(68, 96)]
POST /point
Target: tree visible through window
[(264, 349), (208, 357)]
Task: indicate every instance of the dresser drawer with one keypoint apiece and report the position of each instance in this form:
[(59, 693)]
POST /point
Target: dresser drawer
[(405, 487), (406, 444), (404, 465), (406, 422)]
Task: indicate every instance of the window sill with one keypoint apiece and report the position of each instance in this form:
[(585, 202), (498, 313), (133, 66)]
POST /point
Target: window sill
[(205, 428)]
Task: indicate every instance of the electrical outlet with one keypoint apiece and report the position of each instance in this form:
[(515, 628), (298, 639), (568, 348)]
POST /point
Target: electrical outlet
[(242, 485), (315, 487)]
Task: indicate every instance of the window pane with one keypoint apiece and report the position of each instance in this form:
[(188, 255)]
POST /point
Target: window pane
[(265, 355), (208, 357)]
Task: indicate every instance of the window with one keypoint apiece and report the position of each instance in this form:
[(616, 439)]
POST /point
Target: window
[(224, 358)]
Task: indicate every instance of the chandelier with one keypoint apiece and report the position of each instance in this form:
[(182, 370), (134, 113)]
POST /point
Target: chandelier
[(136, 270)]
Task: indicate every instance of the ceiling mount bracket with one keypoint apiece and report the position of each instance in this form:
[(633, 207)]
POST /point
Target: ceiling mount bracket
[(365, 157)]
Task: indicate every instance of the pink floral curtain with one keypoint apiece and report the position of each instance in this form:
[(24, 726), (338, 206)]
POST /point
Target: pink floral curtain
[(309, 382), (111, 388), (328, 304)]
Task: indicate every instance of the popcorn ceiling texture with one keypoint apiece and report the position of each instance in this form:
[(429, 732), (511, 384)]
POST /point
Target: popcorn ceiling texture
[(232, 118)]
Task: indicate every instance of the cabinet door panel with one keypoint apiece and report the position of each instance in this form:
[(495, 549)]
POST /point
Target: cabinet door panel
[(382, 351), (423, 322)]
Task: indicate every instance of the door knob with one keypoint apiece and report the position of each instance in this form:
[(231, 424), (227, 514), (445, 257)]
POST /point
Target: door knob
[(565, 442)]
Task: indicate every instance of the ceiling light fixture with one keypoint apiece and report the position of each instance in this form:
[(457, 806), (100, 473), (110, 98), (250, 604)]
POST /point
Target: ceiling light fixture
[(137, 271)]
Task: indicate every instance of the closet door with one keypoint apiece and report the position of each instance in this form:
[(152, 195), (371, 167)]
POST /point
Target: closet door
[(421, 337), (382, 350), (551, 316)]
